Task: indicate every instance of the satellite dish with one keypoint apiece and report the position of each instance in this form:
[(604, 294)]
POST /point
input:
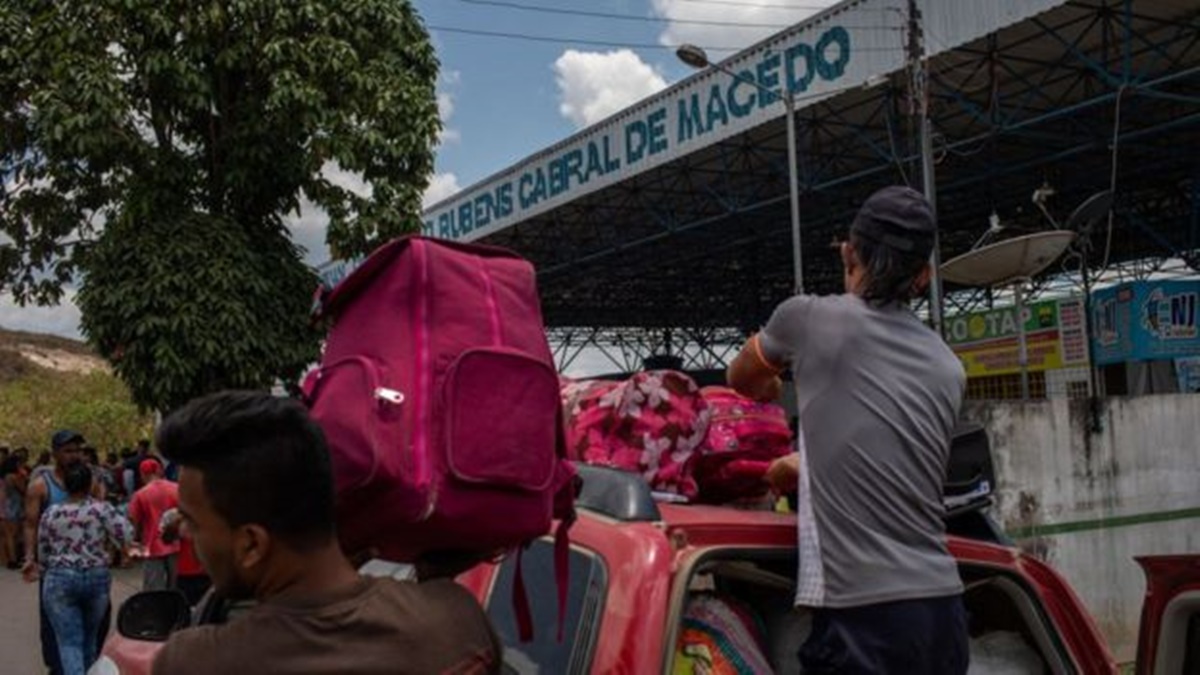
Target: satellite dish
[(1090, 211), (1010, 260)]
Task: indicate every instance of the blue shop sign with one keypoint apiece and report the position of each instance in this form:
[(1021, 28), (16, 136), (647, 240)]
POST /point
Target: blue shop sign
[(1145, 320)]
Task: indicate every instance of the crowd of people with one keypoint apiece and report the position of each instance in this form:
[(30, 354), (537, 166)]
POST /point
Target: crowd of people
[(69, 518)]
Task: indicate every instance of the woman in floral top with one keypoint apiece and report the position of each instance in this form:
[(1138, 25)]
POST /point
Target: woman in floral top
[(74, 541)]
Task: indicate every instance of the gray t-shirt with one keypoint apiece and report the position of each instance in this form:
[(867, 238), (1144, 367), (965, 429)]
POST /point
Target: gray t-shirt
[(878, 394)]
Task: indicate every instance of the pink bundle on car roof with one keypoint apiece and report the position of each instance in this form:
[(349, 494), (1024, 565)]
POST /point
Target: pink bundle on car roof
[(744, 437), (709, 445)]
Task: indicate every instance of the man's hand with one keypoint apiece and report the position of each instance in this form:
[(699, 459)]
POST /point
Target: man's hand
[(772, 390), (784, 474), (30, 571)]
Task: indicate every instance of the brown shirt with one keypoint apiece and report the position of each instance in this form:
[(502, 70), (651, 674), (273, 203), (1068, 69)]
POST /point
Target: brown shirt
[(378, 626)]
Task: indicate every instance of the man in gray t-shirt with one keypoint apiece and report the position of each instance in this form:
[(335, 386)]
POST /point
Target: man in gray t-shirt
[(878, 395)]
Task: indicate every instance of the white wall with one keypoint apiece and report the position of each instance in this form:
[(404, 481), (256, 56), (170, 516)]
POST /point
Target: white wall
[(1104, 497)]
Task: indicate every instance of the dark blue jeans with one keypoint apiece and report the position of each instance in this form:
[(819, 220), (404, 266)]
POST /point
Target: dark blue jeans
[(75, 601), (46, 632), (925, 637)]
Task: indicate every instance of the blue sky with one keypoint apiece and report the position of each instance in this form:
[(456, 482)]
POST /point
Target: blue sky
[(508, 98), (503, 99)]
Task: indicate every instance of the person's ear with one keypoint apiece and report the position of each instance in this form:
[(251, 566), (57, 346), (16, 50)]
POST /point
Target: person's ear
[(252, 545), (849, 259), (921, 283)]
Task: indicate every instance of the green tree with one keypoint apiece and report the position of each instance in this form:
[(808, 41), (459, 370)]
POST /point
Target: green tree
[(152, 148)]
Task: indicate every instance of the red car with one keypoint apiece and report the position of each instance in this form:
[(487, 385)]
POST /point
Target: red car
[(636, 563), (1170, 638)]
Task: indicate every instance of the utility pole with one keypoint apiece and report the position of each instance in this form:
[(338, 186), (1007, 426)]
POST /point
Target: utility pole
[(918, 92)]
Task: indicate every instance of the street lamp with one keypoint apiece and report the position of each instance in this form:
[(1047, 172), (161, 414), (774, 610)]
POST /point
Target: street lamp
[(697, 58)]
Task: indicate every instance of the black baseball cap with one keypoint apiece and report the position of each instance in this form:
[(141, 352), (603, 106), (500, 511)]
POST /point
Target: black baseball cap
[(63, 437), (898, 217)]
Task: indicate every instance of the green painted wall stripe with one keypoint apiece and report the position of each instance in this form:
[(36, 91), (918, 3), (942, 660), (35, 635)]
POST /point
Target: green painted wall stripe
[(1102, 523)]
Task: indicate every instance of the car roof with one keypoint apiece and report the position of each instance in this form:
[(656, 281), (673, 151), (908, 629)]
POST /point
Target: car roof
[(702, 515), (625, 498), (764, 527)]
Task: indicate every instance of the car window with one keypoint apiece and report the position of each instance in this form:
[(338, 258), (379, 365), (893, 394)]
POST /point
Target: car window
[(738, 592), (585, 600), (1191, 657)]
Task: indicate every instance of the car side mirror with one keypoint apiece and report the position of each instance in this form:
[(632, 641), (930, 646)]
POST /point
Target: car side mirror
[(153, 615)]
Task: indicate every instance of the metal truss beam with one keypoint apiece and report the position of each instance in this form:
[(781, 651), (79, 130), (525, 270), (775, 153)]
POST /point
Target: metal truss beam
[(625, 349)]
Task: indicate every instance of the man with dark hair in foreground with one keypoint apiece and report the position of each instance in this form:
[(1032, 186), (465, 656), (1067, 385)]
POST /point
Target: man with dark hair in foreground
[(878, 394), (256, 496)]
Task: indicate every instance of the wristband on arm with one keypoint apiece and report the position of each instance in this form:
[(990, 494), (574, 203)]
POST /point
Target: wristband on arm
[(756, 347)]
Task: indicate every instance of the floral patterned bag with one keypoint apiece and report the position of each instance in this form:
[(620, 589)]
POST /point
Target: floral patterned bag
[(653, 424)]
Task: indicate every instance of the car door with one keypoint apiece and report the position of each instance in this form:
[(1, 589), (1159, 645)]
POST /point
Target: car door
[(1169, 641)]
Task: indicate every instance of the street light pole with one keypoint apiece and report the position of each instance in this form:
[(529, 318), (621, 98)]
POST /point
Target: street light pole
[(794, 184), (919, 94), (697, 58)]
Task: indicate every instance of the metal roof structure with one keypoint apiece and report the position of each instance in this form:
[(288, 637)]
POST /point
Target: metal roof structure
[(669, 222)]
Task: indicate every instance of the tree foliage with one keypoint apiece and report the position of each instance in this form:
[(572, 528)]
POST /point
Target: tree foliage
[(131, 130), (188, 297)]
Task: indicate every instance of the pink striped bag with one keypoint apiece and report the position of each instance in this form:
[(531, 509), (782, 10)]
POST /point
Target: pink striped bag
[(744, 437)]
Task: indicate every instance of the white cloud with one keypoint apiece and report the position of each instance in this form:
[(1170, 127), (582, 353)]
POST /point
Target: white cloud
[(594, 85), (766, 14), (441, 186), (308, 229), (351, 181), (62, 319), (309, 226), (445, 104)]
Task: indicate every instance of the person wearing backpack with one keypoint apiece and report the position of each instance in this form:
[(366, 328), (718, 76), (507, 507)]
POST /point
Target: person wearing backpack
[(256, 496), (878, 395)]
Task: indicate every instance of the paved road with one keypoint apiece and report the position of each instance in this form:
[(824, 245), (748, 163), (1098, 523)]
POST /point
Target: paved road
[(20, 651)]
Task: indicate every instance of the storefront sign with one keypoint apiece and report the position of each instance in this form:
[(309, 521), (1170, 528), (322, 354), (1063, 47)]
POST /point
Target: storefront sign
[(987, 342), (1146, 320)]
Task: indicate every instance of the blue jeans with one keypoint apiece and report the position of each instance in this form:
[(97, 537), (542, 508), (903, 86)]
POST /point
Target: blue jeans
[(75, 601)]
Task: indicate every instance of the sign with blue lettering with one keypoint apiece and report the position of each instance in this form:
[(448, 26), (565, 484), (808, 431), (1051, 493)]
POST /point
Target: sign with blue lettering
[(846, 46), (1146, 320), (332, 272), (812, 59)]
